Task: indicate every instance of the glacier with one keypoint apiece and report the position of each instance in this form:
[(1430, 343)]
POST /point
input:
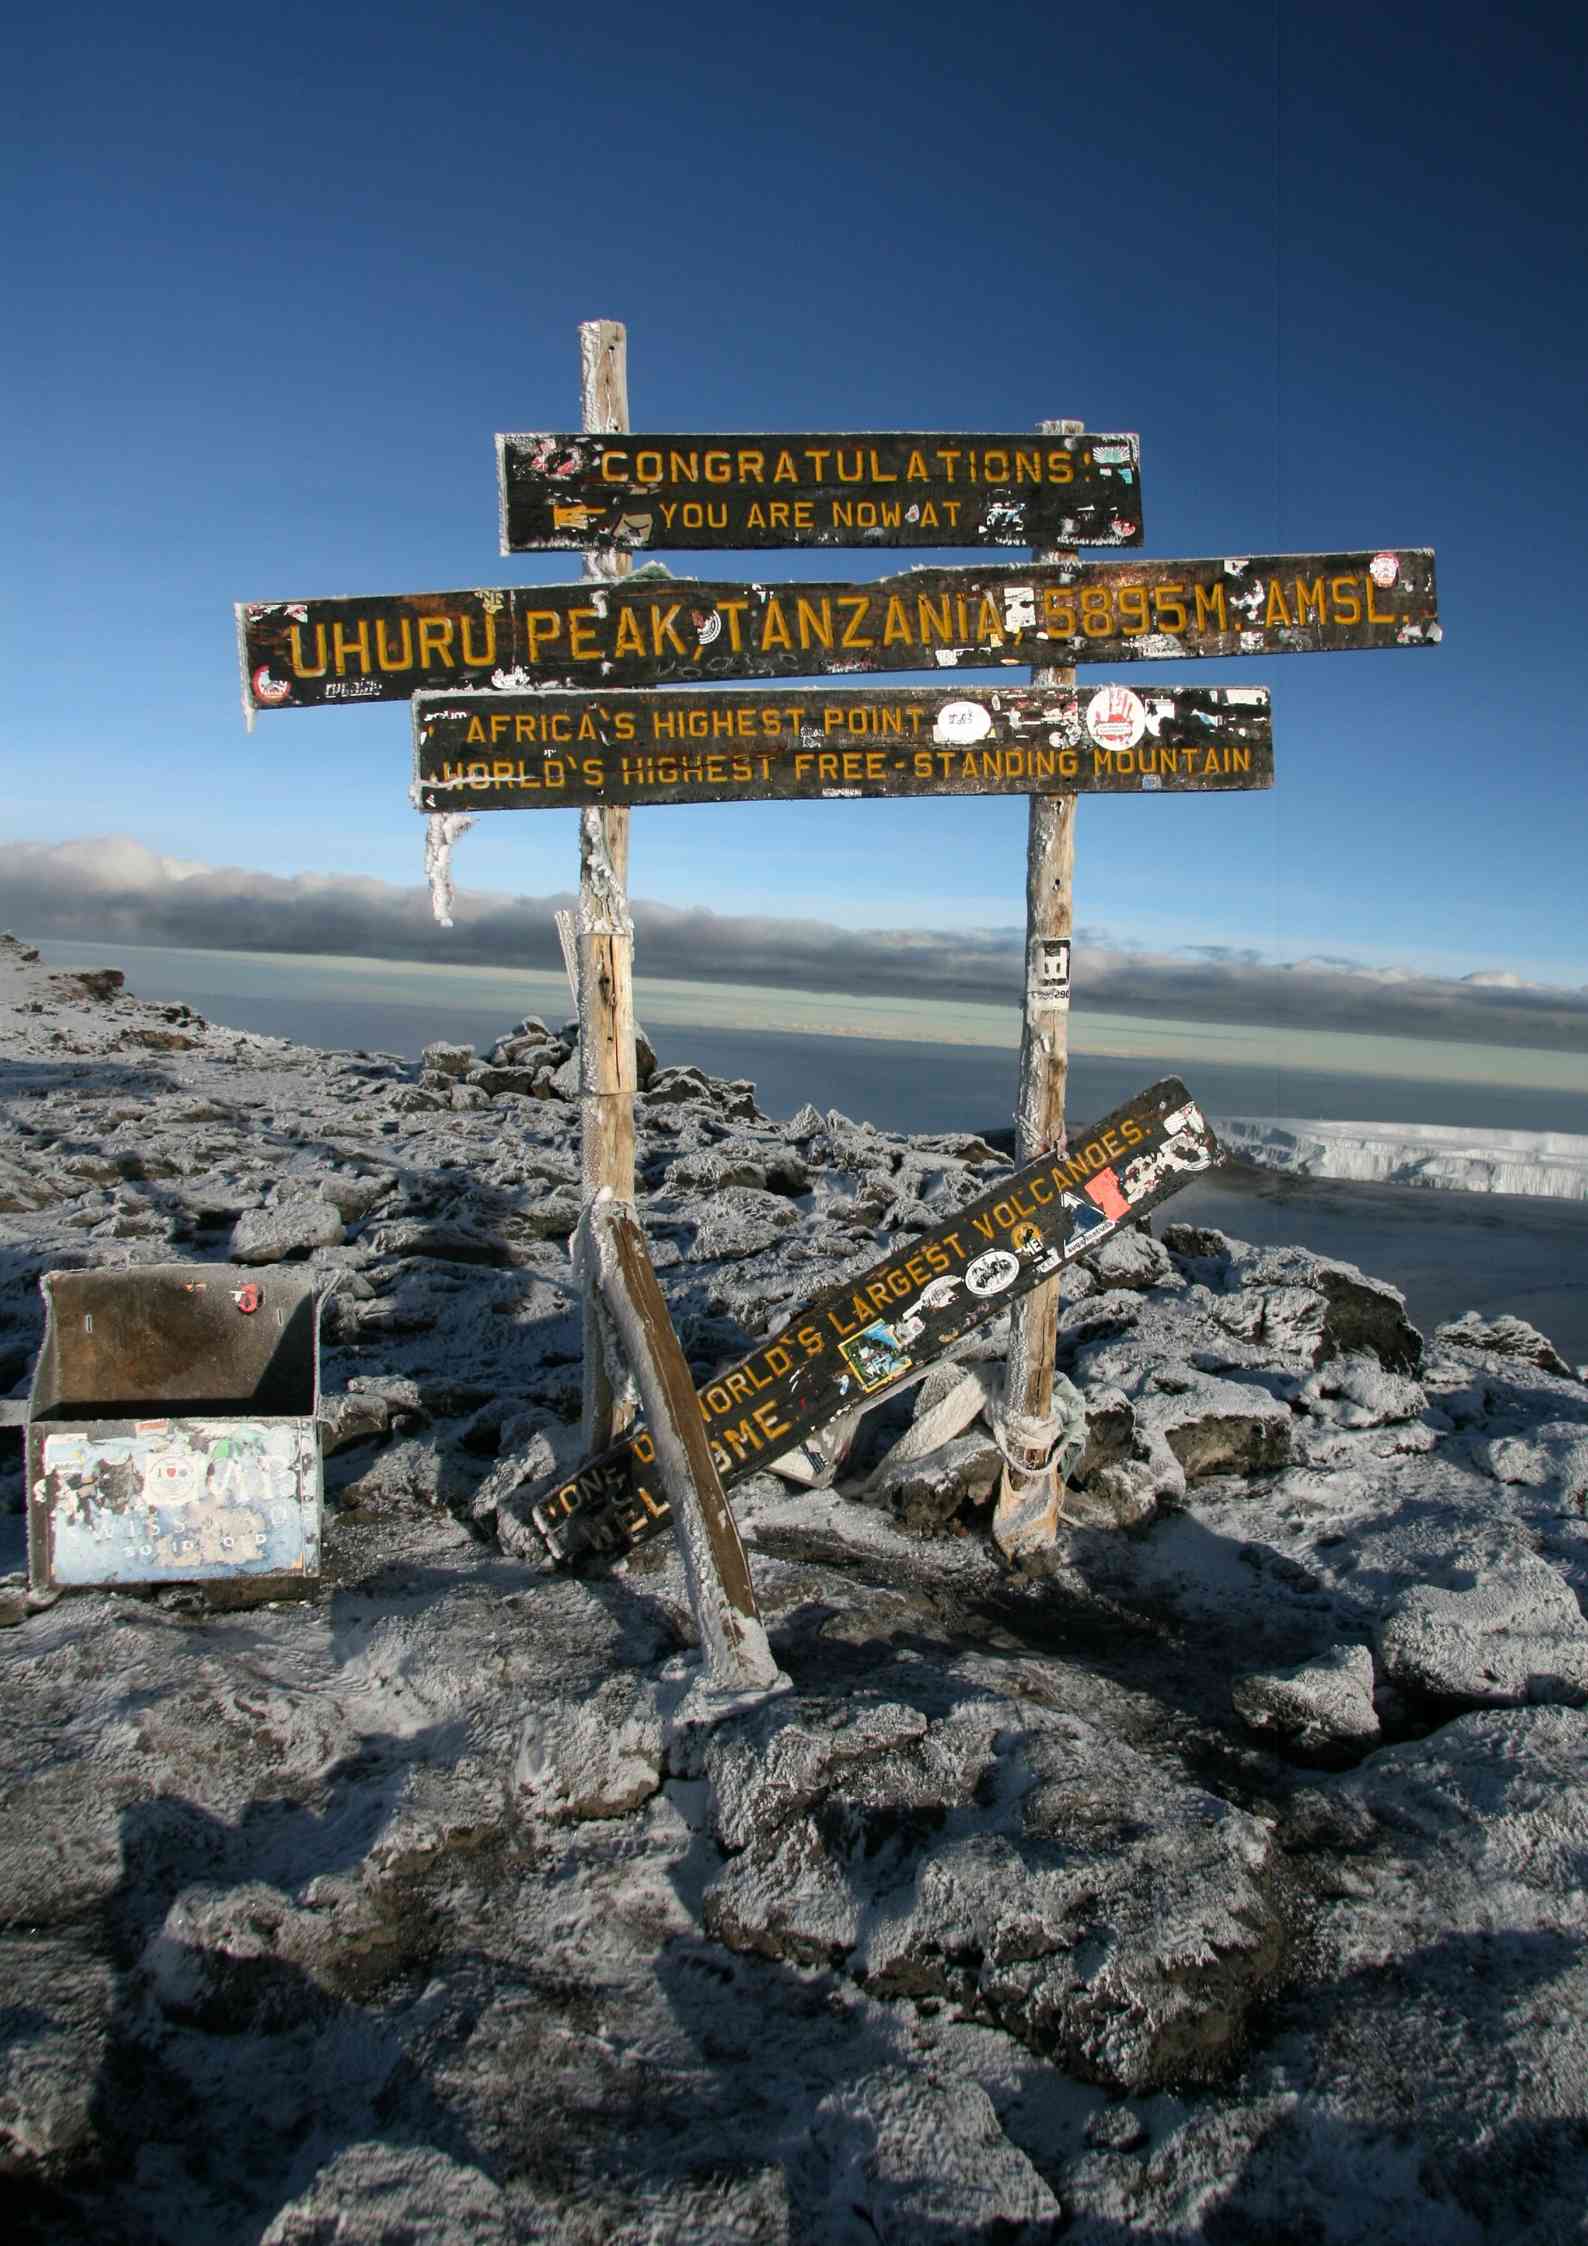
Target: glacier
[(1550, 1164)]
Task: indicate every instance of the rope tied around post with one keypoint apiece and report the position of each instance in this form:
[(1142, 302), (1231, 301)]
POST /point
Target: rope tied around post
[(1032, 1442)]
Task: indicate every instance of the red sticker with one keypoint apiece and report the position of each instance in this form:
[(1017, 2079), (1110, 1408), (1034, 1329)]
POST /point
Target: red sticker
[(1104, 1190), (270, 690)]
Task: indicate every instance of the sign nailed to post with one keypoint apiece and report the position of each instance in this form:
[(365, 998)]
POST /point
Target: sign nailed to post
[(856, 1342), (905, 488), (651, 631), (502, 752)]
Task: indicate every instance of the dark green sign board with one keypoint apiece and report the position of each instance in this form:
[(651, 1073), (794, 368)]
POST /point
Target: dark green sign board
[(539, 752), (859, 1340), (649, 631), (893, 488)]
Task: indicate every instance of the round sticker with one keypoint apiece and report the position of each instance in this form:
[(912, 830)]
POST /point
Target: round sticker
[(1116, 718), (268, 689), (1384, 568), (991, 1273), (707, 627), (961, 723)]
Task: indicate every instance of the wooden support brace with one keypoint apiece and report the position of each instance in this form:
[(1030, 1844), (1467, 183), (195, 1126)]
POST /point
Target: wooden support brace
[(610, 1253)]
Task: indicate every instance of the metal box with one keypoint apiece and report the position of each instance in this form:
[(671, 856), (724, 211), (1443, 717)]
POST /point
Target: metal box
[(171, 1432)]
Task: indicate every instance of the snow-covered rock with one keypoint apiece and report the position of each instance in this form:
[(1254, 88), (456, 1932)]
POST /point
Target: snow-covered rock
[(402, 1911)]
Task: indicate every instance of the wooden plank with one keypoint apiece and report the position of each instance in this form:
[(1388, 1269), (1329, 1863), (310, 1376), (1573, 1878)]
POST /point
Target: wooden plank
[(728, 1624), (857, 1341), (542, 752), (665, 631), (871, 488)]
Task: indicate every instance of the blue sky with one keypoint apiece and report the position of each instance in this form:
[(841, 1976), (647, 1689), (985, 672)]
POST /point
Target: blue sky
[(278, 279)]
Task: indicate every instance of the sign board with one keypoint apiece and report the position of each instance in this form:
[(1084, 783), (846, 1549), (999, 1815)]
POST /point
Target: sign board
[(172, 1433), (857, 1341), (894, 488), (537, 752), (651, 631)]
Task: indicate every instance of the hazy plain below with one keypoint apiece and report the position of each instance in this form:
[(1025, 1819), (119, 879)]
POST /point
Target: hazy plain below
[(916, 1065)]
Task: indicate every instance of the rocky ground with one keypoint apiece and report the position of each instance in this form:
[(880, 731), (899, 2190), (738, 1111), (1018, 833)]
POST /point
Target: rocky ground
[(1217, 1876)]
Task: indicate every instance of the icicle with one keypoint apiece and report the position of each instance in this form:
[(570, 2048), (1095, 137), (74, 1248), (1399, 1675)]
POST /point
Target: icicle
[(442, 829)]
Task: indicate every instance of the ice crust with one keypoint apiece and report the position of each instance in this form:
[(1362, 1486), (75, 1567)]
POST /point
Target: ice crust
[(1218, 1875)]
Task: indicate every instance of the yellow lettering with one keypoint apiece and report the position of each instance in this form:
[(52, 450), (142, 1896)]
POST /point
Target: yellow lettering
[(858, 604), (383, 656), (303, 669), (1210, 608), (435, 640), (815, 627), (345, 643), (1373, 615)]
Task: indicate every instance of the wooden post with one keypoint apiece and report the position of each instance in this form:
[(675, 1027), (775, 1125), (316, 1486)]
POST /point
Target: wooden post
[(605, 936), (618, 1274), (1028, 1507)]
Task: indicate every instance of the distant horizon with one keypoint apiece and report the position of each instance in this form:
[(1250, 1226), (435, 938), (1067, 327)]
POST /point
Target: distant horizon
[(358, 984)]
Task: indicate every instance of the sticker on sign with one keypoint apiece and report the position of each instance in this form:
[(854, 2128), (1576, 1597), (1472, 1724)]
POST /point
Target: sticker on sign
[(1116, 717)]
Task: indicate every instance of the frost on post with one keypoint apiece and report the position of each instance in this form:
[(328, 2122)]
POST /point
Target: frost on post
[(442, 829)]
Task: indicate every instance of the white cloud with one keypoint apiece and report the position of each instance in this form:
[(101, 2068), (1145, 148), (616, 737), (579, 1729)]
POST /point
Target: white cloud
[(115, 889)]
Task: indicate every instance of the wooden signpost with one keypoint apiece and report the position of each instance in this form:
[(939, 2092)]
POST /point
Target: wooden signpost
[(857, 1342), (603, 936), (530, 697), (894, 488), (675, 631), (533, 752)]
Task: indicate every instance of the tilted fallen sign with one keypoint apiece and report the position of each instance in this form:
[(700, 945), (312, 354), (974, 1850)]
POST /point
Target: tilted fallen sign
[(857, 1341), (509, 752), (870, 488), (648, 631)]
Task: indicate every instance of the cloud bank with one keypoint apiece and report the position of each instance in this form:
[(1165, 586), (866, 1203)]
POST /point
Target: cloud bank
[(115, 890)]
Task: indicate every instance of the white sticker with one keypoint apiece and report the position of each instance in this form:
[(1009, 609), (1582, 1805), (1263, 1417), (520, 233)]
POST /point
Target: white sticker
[(962, 722), (1116, 718), (1048, 971), (937, 1294), (992, 1272), (1384, 568), (1020, 608), (707, 628)]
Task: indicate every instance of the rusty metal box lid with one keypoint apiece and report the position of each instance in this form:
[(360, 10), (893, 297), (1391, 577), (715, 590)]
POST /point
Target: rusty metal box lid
[(171, 1432)]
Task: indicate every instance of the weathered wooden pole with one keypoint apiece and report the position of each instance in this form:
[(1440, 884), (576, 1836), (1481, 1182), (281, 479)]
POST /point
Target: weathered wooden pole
[(1028, 1507), (617, 1272), (605, 933)]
